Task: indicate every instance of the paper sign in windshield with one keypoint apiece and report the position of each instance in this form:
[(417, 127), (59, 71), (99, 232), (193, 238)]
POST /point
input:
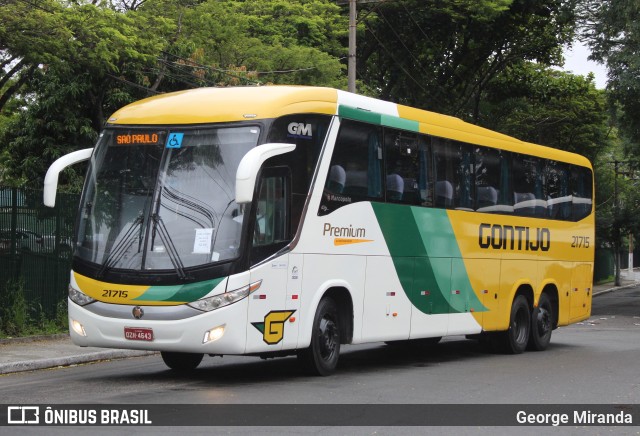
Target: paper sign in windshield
[(202, 243)]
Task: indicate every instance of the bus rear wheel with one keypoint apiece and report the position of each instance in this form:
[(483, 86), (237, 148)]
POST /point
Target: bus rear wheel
[(321, 358), (181, 361), (515, 339), (541, 325)]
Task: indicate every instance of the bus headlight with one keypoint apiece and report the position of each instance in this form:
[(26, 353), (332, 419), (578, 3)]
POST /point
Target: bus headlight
[(214, 334), (217, 301), (79, 297), (78, 328)]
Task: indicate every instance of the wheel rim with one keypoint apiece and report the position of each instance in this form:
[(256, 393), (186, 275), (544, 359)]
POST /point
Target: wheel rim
[(328, 338), (543, 321)]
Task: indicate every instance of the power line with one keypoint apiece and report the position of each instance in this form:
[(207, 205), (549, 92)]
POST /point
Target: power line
[(395, 60)]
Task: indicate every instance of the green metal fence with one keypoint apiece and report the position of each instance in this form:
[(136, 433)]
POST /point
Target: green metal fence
[(35, 245)]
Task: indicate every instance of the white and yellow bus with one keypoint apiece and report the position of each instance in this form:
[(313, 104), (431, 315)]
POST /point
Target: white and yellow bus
[(276, 220)]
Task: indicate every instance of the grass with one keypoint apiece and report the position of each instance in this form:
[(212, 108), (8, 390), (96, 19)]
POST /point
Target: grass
[(18, 317)]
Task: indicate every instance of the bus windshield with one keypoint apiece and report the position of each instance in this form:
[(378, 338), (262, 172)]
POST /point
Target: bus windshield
[(162, 198)]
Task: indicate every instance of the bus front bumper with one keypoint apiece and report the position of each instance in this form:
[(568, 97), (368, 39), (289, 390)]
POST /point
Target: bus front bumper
[(222, 331)]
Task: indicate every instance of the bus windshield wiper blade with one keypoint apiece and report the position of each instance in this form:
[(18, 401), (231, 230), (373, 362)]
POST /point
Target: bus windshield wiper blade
[(121, 247), (174, 257)]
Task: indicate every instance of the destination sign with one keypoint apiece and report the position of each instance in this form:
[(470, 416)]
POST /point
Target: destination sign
[(143, 138)]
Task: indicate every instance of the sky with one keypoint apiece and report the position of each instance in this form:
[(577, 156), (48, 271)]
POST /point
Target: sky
[(576, 61)]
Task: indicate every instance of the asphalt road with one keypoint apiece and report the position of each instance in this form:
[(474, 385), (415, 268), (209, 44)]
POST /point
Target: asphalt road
[(594, 362)]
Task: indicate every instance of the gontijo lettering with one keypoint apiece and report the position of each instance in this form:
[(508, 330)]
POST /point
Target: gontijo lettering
[(514, 237)]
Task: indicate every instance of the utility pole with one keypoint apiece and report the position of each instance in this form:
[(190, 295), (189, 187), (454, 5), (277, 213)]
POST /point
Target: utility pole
[(353, 22), (351, 65)]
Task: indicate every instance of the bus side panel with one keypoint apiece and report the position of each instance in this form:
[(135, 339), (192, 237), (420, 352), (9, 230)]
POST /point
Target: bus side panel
[(558, 274), (485, 277), (581, 292), (431, 294), (386, 308), (292, 303), (514, 273), (321, 273), (268, 315)]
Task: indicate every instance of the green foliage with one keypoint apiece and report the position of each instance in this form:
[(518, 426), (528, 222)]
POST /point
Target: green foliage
[(68, 66), (612, 30), (548, 107), (19, 317), (442, 55), (14, 309)]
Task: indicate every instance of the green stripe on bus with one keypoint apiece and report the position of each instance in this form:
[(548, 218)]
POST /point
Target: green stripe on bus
[(427, 258), (377, 119), (180, 293)]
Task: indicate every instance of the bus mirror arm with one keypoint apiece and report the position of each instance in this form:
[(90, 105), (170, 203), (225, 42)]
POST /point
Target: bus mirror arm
[(250, 166), (51, 179)]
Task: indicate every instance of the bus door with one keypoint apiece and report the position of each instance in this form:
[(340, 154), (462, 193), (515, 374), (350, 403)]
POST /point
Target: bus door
[(268, 311)]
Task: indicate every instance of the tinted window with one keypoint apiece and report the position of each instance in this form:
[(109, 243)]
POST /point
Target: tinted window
[(528, 192), (493, 180), (355, 173), (453, 170), (402, 164), (581, 185), (556, 178)]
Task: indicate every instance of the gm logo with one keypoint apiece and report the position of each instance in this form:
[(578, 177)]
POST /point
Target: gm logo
[(23, 415), (299, 130)]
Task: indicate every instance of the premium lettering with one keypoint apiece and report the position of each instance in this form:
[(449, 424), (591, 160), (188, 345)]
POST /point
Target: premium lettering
[(343, 232)]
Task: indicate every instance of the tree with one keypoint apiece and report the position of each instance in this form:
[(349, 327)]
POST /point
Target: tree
[(71, 64), (612, 30), (548, 107), (442, 55)]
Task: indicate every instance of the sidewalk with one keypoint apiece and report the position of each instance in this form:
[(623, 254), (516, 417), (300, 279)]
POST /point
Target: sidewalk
[(40, 352)]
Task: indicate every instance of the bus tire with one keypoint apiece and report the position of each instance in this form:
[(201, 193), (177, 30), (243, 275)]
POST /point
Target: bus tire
[(321, 358), (181, 361), (541, 325), (515, 339)]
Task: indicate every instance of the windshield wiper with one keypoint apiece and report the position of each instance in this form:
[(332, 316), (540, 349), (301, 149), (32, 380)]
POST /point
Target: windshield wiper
[(174, 257), (122, 246)]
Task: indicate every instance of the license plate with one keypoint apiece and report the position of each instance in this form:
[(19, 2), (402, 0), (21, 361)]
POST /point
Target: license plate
[(138, 334)]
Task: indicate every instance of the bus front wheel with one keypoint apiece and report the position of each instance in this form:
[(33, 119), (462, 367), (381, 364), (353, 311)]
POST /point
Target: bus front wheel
[(515, 339), (321, 358), (181, 361)]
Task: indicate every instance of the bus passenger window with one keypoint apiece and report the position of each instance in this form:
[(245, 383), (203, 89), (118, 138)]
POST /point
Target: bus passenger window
[(355, 172), (556, 179), (402, 166), (493, 181), (454, 169), (581, 186), (528, 195)]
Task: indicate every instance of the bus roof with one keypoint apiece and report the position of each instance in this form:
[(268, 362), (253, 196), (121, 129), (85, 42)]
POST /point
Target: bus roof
[(212, 105)]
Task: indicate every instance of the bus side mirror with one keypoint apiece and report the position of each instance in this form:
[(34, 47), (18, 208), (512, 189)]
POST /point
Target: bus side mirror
[(250, 165), (51, 179)]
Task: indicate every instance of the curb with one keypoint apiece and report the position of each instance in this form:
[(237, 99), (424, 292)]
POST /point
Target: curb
[(615, 288), (31, 365)]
